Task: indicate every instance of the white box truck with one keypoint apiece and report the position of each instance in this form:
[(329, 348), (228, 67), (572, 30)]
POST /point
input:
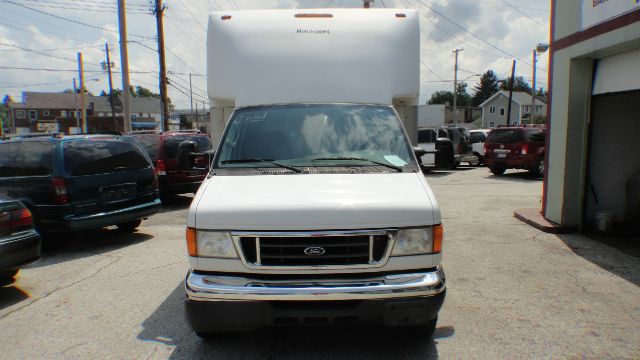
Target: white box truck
[(315, 210)]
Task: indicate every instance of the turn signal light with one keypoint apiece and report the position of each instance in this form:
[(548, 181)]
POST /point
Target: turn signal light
[(192, 248), (438, 234)]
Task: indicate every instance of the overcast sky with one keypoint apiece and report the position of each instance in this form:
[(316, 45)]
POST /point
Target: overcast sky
[(492, 33)]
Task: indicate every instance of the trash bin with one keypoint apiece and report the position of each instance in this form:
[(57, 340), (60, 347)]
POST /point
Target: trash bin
[(604, 221)]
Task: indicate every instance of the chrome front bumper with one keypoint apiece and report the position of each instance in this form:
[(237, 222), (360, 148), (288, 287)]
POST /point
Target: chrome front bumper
[(227, 288)]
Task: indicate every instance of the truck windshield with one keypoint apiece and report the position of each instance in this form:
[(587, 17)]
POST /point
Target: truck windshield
[(315, 135)]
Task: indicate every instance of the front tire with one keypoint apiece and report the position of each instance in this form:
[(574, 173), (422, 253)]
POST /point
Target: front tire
[(537, 169), (498, 170), (476, 162), (129, 226)]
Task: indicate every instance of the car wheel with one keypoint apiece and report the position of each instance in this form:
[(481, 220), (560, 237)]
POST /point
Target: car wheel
[(537, 169), (7, 277), (129, 226), (475, 162), (498, 170)]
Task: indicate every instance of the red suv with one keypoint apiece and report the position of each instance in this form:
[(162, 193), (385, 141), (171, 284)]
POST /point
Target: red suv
[(515, 148), (163, 151)]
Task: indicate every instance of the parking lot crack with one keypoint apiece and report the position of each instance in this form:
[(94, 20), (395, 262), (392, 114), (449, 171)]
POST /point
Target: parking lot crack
[(115, 259)]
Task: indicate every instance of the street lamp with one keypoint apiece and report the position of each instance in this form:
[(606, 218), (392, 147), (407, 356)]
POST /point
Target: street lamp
[(540, 49)]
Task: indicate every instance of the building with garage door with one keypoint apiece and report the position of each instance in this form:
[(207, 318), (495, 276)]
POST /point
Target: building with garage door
[(593, 142)]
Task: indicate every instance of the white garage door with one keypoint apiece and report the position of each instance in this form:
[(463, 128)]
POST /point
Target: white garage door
[(618, 73)]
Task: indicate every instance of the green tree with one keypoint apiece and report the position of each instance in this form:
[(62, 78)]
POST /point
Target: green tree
[(487, 86), (519, 84), (145, 93), (441, 97), (444, 97)]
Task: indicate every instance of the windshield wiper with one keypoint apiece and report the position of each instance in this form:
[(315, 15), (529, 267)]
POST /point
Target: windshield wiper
[(270, 161), (397, 168)]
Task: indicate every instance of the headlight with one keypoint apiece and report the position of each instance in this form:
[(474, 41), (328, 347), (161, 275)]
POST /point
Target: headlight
[(426, 240), (204, 243)]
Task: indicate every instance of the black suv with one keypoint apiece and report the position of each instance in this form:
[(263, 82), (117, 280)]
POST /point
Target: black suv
[(80, 182)]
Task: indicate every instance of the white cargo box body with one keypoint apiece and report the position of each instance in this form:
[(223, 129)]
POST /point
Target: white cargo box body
[(313, 55)]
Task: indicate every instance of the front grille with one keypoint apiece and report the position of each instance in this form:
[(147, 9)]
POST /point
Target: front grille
[(336, 250)]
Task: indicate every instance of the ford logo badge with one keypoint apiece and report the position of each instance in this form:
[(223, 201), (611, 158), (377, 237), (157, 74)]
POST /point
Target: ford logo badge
[(314, 251)]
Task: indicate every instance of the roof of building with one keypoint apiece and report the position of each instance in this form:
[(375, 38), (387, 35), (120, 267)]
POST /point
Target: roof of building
[(69, 101), (138, 104), (519, 97), (50, 100), (18, 105)]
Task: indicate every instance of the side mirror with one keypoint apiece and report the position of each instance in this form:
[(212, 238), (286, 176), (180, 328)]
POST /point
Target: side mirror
[(420, 152), (444, 154), (185, 151)]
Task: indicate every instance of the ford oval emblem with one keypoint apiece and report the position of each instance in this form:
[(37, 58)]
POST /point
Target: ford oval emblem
[(314, 251)]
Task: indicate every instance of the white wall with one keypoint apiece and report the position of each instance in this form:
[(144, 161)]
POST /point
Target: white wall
[(431, 115)]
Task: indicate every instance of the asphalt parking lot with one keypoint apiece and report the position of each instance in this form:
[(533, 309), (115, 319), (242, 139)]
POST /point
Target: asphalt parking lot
[(513, 292)]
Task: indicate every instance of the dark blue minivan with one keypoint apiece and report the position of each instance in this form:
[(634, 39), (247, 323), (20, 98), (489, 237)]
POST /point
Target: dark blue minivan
[(80, 182)]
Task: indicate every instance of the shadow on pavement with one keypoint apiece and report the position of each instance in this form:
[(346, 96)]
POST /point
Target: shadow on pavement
[(11, 295), (619, 259), (64, 247), (167, 325), (514, 175), (176, 202)]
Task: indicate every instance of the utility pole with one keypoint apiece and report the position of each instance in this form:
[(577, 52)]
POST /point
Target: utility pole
[(124, 60), (191, 94), (158, 12), (196, 115), (82, 104), (75, 101), (109, 65), (455, 87), (513, 74)]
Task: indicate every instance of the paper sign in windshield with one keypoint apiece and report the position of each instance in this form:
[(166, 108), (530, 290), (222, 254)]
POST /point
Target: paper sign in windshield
[(394, 160)]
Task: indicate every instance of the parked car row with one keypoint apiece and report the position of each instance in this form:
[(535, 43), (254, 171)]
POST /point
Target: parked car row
[(56, 183), (499, 149)]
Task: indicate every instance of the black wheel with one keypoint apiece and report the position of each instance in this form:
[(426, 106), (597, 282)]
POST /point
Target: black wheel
[(537, 169), (475, 162), (7, 277), (129, 226), (498, 170)]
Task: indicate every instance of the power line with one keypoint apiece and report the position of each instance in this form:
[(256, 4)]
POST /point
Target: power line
[(193, 16), (70, 20), (45, 54), (466, 30), (2, 67), (523, 13), (12, 86)]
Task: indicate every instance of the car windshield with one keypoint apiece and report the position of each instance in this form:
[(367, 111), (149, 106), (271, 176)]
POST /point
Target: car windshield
[(315, 135), (90, 157), (151, 143), (172, 143), (505, 136)]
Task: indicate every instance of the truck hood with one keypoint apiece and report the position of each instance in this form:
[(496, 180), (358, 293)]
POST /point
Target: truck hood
[(314, 202)]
